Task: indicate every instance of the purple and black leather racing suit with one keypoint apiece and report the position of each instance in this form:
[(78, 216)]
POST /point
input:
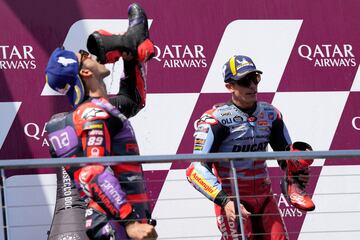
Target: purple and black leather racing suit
[(114, 196)]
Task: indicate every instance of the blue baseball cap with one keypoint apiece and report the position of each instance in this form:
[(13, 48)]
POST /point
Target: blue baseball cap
[(237, 67), (62, 75)]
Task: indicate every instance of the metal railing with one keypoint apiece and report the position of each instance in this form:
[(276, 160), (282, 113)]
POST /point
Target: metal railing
[(213, 157)]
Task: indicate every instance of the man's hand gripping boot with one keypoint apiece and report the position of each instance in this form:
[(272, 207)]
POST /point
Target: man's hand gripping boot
[(109, 47), (296, 178)]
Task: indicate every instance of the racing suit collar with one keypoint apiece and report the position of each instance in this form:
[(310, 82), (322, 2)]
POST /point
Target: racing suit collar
[(248, 111)]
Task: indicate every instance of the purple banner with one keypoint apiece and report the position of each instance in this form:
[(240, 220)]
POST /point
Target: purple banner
[(308, 50)]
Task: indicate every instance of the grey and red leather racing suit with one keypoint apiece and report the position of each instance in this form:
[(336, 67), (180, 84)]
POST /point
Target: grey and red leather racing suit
[(226, 128), (113, 195)]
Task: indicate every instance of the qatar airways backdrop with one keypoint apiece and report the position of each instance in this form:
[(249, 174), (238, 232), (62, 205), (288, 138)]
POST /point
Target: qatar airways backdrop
[(308, 51)]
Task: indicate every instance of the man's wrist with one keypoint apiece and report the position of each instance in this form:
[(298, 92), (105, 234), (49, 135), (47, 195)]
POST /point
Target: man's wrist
[(221, 199), (132, 217)]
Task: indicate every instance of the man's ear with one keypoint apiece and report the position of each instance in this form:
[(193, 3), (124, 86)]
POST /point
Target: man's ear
[(230, 86), (84, 72)]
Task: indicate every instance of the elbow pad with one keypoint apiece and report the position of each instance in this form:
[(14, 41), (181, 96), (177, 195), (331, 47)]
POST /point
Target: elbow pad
[(101, 185)]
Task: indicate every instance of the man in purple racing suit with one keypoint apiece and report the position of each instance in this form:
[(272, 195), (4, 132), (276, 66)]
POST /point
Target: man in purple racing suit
[(116, 205), (115, 198), (241, 125)]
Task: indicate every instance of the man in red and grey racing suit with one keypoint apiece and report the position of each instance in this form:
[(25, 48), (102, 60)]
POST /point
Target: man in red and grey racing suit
[(228, 129), (241, 125)]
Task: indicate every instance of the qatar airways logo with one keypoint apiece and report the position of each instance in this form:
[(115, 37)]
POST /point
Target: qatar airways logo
[(37, 132), (355, 122), (181, 56), (328, 55), (17, 57)]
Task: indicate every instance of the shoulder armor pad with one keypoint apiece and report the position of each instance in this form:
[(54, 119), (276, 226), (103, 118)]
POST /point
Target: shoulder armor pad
[(88, 112), (62, 137), (57, 121), (208, 118), (92, 112)]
